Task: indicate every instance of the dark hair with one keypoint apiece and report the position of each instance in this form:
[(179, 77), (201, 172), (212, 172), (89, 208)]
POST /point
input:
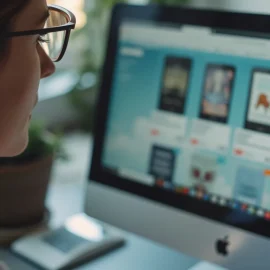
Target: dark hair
[(8, 10)]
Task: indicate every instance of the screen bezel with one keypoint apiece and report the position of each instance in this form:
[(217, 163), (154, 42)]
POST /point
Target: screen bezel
[(230, 21)]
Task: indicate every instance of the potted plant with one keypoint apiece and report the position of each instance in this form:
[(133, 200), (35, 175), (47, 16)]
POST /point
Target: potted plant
[(24, 179)]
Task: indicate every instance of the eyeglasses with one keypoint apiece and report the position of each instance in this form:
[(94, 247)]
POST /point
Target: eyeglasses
[(54, 37)]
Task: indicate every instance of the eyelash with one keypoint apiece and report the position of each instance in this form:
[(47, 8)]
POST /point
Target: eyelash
[(41, 39)]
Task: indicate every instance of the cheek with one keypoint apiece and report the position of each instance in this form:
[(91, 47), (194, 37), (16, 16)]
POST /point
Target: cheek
[(22, 73), (19, 84), (28, 67)]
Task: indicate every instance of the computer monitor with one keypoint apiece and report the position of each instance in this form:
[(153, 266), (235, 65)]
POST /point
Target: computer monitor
[(182, 145)]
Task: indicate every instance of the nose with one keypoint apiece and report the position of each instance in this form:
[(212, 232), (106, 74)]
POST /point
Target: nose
[(47, 66)]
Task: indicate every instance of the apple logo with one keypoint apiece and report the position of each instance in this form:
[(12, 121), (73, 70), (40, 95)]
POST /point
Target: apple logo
[(222, 246)]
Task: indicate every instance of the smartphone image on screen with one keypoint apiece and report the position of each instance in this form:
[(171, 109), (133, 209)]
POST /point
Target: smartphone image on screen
[(162, 163), (217, 92), (258, 108), (175, 83)]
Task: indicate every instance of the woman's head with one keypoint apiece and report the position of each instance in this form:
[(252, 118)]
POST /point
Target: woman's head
[(23, 63)]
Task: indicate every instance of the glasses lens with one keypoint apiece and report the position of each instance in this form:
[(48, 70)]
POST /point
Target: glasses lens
[(54, 41)]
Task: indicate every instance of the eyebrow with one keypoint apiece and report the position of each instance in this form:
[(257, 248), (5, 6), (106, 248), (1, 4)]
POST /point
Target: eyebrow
[(43, 18)]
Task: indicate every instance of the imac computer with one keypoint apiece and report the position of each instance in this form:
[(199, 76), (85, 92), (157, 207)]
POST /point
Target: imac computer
[(182, 138)]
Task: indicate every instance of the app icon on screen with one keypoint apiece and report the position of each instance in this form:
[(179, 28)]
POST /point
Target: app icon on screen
[(217, 92), (203, 172), (175, 83), (162, 162), (249, 185), (258, 109)]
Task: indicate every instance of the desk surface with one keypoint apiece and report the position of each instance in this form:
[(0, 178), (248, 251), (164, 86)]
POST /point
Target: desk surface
[(68, 183), (136, 254), (139, 253)]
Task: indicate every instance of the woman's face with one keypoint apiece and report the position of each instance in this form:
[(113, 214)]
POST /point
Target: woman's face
[(26, 63)]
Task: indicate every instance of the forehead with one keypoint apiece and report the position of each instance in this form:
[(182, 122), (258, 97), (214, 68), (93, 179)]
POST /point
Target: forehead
[(26, 19)]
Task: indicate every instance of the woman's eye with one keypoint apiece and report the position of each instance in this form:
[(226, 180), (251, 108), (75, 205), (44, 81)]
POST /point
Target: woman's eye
[(42, 39)]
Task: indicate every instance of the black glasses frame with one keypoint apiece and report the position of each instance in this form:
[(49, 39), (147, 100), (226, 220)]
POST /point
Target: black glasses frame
[(66, 27)]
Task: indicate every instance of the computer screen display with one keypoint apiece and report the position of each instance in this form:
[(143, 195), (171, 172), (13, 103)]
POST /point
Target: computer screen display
[(189, 113)]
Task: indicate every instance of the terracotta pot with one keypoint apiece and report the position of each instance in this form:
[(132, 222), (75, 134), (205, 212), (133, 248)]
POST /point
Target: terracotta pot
[(23, 190)]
